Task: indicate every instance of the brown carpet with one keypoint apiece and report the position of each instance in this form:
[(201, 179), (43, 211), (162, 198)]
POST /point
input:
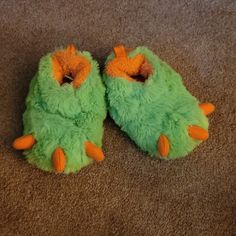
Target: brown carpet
[(127, 194)]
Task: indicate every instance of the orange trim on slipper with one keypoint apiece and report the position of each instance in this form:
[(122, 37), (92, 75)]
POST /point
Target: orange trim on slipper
[(68, 62), (120, 51), (71, 49), (145, 69), (123, 66), (83, 68)]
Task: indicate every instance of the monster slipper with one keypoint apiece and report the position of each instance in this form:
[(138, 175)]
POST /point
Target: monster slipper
[(148, 100), (65, 109)]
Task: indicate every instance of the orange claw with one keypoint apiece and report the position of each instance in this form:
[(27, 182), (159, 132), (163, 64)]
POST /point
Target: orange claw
[(24, 142), (197, 132), (58, 160), (163, 145), (207, 108), (93, 151)]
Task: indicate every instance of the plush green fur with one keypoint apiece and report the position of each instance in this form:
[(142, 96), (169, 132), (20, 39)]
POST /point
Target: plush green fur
[(64, 116), (161, 105)]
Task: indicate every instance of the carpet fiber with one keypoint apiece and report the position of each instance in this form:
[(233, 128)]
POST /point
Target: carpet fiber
[(127, 194)]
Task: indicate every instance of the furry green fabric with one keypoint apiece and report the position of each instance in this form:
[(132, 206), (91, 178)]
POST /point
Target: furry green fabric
[(64, 116), (161, 105)]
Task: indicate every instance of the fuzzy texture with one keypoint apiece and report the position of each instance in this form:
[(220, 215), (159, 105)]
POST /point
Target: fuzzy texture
[(64, 116), (160, 105), (128, 194)]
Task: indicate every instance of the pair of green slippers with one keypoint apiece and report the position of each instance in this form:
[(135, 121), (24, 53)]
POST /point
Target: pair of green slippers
[(66, 107)]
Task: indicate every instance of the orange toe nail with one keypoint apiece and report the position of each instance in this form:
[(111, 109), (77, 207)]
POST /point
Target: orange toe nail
[(93, 151), (58, 160), (24, 142), (163, 145), (197, 132), (207, 108)]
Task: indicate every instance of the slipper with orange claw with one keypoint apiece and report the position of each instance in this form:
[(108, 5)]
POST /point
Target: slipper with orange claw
[(65, 109), (148, 100)]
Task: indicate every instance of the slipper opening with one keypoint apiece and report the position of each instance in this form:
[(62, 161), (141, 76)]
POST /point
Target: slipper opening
[(70, 67), (134, 69), (144, 72), (67, 79)]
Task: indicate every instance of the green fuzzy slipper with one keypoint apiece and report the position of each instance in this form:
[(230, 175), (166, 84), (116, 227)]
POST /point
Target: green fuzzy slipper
[(65, 109), (148, 100)]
